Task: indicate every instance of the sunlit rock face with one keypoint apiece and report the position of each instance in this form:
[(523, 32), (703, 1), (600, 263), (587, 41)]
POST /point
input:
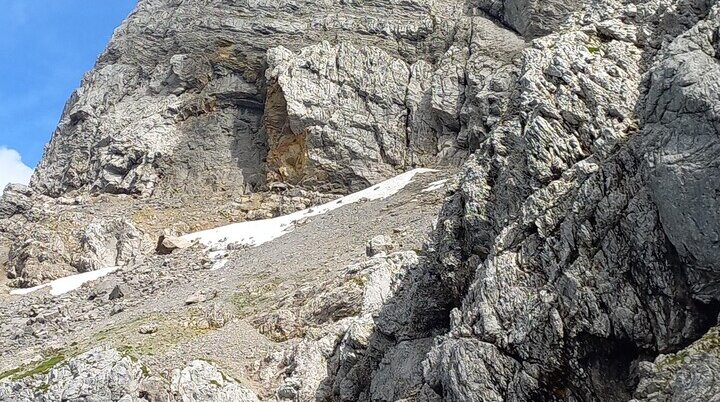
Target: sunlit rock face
[(223, 96), (575, 256)]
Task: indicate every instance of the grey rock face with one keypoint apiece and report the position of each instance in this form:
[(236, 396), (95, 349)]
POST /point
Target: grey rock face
[(576, 242), (201, 381), (168, 244), (110, 243), (689, 375), (579, 242), (103, 374), (332, 365), (15, 200), (379, 244), (38, 258), (359, 142), (531, 18), (682, 126), (98, 375), (177, 103)]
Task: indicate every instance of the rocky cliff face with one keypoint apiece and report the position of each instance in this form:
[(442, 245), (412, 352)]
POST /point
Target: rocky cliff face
[(580, 236), (191, 97), (575, 257)]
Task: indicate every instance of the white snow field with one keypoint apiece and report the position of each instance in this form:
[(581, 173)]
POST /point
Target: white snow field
[(69, 283), (255, 233), (434, 186)]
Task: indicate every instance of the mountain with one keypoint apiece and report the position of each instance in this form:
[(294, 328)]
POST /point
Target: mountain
[(361, 200)]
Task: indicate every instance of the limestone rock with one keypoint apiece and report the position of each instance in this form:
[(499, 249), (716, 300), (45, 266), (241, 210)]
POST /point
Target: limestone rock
[(177, 106), (200, 381), (109, 244), (572, 239), (98, 375), (681, 135), (345, 339), (16, 198), (379, 244), (532, 18), (39, 257), (201, 296), (575, 259), (168, 244), (690, 374), (104, 374), (359, 143), (148, 329), (116, 293)]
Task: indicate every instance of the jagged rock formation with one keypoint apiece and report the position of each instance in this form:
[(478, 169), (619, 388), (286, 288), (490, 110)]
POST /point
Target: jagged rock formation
[(581, 239), (179, 101), (167, 115), (108, 375), (576, 255), (690, 374)]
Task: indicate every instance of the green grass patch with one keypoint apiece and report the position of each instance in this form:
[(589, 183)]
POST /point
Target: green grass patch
[(10, 373), (42, 388), (247, 302), (41, 368)]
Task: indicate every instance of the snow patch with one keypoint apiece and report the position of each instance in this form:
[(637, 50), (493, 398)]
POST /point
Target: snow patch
[(69, 283), (434, 186), (255, 233)]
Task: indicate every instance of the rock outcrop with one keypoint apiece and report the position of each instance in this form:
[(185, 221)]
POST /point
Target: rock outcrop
[(690, 374), (576, 256), (581, 240), (179, 102), (108, 375)]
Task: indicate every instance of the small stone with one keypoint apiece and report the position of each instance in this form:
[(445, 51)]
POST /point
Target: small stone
[(147, 329), (201, 296), (289, 390), (116, 293), (117, 309), (202, 324), (236, 246)]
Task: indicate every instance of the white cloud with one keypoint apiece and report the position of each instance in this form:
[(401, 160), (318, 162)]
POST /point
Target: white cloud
[(12, 169)]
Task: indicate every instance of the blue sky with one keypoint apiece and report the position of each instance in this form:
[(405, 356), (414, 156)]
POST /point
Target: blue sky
[(45, 48)]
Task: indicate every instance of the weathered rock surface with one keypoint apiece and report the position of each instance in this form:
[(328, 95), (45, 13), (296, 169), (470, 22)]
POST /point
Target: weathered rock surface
[(98, 375), (379, 244), (102, 375), (577, 245), (346, 313), (689, 375), (110, 244), (576, 257), (266, 301), (168, 110), (15, 200), (168, 244)]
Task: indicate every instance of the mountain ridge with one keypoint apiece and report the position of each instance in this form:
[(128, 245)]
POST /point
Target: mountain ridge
[(568, 253)]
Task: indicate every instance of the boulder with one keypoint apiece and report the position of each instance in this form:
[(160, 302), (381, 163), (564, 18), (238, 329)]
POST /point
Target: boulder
[(110, 243), (379, 245), (168, 244)]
